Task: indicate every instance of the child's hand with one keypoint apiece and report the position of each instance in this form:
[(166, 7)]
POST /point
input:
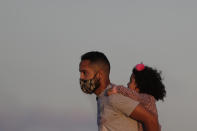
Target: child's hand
[(111, 91)]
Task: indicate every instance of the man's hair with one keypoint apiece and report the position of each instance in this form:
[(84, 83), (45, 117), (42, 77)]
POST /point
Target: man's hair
[(97, 58)]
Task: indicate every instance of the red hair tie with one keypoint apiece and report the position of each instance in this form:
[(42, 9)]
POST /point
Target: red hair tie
[(140, 67)]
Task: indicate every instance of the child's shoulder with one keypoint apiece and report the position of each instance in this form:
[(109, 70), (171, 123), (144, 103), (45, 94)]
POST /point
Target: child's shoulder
[(147, 97)]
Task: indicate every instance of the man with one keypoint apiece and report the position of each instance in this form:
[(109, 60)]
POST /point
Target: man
[(115, 112)]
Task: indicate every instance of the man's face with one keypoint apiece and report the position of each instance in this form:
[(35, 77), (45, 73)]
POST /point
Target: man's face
[(88, 81), (86, 71)]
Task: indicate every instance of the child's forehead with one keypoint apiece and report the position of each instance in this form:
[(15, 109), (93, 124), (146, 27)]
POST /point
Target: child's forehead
[(132, 76)]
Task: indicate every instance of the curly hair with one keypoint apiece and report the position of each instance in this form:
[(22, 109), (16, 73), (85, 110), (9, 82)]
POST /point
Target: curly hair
[(149, 81)]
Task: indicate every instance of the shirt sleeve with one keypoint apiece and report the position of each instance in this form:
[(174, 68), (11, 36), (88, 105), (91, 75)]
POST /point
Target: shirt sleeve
[(124, 104), (128, 93)]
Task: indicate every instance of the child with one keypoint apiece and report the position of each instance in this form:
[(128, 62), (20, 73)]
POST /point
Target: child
[(145, 86)]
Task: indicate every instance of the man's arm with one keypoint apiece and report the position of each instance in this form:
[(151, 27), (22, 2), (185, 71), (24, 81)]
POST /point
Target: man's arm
[(149, 120)]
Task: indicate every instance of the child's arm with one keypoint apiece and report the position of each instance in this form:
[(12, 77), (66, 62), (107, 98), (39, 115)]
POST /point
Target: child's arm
[(111, 91), (144, 100), (124, 91)]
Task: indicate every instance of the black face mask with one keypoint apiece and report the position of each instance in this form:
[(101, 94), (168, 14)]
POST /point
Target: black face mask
[(89, 86)]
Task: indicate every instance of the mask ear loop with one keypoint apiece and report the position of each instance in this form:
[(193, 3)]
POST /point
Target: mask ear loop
[(97, 80), (95, 75)]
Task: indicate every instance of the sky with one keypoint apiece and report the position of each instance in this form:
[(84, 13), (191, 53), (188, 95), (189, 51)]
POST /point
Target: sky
[(41, 42)]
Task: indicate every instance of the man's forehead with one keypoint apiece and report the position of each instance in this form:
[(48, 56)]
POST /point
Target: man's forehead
[(84, 63)]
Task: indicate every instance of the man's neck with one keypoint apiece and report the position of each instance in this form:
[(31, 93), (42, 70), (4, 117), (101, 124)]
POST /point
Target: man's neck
[(102, 87)]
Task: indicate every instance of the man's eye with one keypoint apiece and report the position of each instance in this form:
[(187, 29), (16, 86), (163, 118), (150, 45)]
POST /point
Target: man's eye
[(85, 73)]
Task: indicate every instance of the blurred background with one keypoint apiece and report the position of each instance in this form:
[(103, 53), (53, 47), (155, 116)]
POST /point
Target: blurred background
[(41, 42)]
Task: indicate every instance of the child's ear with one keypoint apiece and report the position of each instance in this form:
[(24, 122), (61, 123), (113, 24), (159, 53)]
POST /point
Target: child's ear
[(137, 89)]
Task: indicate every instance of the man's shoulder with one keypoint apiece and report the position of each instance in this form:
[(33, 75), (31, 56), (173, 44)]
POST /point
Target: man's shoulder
[(119, 99), (122, 103), (117, 96)]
